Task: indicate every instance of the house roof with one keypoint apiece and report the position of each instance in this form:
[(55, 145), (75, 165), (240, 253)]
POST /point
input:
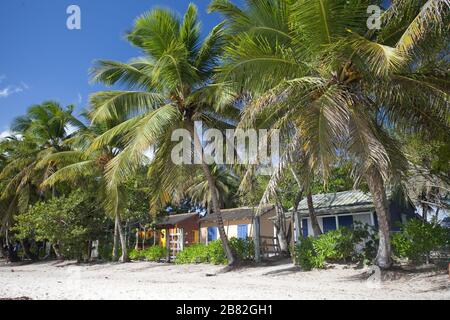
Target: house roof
[(238, 213), (174, 219), (339, 202)]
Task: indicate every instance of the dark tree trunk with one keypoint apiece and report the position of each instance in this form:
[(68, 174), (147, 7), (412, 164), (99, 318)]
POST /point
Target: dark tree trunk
[(376, 187), (27, 250), (312, 216), (57, 250)]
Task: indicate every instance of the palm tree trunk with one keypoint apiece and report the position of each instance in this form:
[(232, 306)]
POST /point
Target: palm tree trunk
[(231, 255), (312, 216), (115, 252), (376, 187), (123, 240)]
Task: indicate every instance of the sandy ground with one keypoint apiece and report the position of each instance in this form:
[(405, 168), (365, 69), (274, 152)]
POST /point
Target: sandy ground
[(141, 280)]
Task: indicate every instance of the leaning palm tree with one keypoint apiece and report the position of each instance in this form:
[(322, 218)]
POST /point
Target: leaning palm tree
[(171, 88), (321, 75)]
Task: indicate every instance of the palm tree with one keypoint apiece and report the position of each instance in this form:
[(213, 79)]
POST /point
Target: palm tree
[(171, 88), (37, 134), (83, 164), (226, 188), (321, 75)]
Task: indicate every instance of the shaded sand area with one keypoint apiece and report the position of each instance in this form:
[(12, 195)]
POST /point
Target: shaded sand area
[(279, 281)]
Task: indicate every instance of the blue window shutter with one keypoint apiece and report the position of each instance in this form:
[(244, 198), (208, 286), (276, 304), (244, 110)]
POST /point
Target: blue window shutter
[(212, 234), (305, 228), (242, 231), (329, 224), (346, 221)]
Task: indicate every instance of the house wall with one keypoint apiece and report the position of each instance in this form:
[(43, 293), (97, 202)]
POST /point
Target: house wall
[(231, 228), (190, 228)]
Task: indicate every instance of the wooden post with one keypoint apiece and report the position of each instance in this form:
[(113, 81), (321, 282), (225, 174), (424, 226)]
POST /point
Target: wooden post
[(168, 244), (181, 239), (257, 238)]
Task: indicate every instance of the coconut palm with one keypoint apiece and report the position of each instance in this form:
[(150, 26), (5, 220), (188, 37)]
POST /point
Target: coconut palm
[(320, 74), (171, 87), (226, 188), (37, 134), (82, 164)]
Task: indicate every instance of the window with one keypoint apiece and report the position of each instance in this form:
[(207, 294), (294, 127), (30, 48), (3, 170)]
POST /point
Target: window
[(212, 234), (346, 221), (242, 231), (329, 224)]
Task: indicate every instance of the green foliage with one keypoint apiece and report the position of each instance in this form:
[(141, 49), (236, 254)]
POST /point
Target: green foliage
[(154, 254), (70, 221), (197, 253), (213, 252), (345, 244), (418, 238)]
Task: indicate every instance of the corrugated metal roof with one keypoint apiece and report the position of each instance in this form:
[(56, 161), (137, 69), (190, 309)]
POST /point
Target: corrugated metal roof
[(174, 219), (348, 201), (237, 213)]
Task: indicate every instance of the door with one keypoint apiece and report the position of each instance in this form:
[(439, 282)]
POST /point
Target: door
[(305, 228), (329, 224), (242, 231)]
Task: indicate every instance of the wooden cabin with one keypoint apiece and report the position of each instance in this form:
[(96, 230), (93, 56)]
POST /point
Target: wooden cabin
[(178, 231), (240, 223)]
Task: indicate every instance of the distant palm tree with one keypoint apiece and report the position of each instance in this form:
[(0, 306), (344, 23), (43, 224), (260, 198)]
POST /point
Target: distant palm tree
[(171, 88), (37, 134), (226, 188), (332, 85), (81, 164)]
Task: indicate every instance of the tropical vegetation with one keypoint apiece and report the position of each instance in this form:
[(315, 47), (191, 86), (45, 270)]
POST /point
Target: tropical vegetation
[(355, 107)]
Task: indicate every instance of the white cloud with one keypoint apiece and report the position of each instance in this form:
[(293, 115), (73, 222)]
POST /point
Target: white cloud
[(5, 134), (9, 90), (80, 98)]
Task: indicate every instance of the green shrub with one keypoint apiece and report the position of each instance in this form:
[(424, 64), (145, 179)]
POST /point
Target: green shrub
[(213, 252), (154, 253), (417, 239), (244, 248), (306, 255), (337, 245), (197, 253), (134, 254), (216, 254)]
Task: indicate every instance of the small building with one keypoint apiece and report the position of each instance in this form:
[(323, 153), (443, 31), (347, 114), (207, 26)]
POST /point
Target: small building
[(238, 223), (178, 231), (343, 209)]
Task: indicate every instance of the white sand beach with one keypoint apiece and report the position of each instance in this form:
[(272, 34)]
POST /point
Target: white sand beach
[(142, 280)]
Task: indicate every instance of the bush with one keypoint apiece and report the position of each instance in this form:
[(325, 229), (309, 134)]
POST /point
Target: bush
[(306, 255), (154, 253), (197, 253), (213, 252), (335, 246), (216, 254), (417, 239)]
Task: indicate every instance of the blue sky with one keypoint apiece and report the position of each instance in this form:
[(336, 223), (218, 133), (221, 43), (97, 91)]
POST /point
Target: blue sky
[(40, 59)]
